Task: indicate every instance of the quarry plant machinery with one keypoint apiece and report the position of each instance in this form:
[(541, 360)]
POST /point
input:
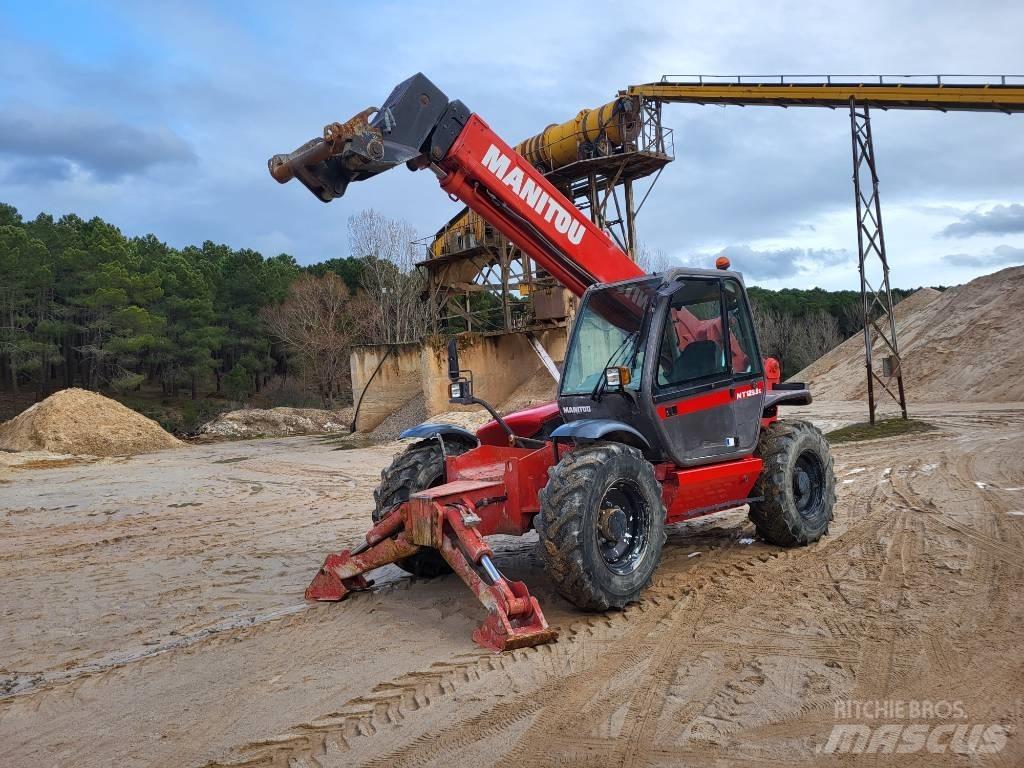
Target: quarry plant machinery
[(665, 411)]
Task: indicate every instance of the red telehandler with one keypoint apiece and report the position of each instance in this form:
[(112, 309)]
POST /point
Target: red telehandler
[(666, 410)]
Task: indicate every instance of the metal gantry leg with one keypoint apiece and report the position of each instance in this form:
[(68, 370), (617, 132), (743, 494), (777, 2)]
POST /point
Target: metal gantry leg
[(876, 303)]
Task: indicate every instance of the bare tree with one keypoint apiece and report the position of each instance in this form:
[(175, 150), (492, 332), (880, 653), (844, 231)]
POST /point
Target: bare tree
[(652, 261), (817, 333), (795, 342), (317, 325), (851, 318), (774, 331), (393, 305)]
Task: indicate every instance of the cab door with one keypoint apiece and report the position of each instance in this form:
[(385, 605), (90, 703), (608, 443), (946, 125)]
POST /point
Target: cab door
[(746, 365), (692, 385)]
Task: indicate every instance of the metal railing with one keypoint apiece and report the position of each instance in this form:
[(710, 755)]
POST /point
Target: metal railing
[(937, 80)]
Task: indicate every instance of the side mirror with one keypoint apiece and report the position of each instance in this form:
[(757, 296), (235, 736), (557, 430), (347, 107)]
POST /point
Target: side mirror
[(617, 378), (460, 388), (453, 360), (460, 391)]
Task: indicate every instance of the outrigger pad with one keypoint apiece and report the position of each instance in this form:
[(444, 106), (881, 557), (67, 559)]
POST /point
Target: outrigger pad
[(327, 586), (499, 632)]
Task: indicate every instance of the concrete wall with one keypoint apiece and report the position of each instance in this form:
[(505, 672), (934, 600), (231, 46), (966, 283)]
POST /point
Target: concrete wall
[(500, 364), (399, 379)]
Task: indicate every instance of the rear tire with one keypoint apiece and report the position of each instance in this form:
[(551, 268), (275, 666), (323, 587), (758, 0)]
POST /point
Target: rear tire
[(601, 525), (797, 483), (421, 466)]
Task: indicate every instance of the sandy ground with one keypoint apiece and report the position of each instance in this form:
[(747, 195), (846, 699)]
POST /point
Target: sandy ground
[(152, 616)]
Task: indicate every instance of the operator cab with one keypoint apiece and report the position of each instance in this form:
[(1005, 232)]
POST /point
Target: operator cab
[(668, 363)]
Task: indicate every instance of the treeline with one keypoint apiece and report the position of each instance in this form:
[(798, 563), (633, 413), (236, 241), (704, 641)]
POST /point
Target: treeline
[(798, 326), (844, 306), (83, 305)]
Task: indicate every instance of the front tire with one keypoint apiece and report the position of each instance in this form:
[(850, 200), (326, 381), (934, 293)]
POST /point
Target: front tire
[(601, 525), (797, 484), (421, 466)]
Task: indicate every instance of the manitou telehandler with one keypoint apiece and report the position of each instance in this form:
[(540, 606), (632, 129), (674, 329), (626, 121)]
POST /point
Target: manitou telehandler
[(665, 411)]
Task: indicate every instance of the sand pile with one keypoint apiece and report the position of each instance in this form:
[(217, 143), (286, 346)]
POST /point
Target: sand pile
[(75, 421), (847, 359), (964, 344), (278, 422)]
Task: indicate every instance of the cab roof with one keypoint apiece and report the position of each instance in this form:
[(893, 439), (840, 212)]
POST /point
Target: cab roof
[(678, 273)]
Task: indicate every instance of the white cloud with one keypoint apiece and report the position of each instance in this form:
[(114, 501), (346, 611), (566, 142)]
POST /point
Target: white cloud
[(998, 220), (1001, 255)]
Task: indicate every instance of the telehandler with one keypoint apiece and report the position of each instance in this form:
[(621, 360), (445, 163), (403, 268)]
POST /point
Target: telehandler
[(665, 411)]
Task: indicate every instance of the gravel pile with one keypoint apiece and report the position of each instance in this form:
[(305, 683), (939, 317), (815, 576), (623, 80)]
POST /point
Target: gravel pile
[(278, 422), (540, 388), (409, 415)]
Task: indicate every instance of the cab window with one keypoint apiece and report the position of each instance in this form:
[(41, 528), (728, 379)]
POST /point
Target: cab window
[(742, 345), (608, 333), (692, 344)]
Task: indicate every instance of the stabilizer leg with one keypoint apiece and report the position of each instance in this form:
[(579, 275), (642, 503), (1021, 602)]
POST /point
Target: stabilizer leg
[(342, 572), (514, 618)]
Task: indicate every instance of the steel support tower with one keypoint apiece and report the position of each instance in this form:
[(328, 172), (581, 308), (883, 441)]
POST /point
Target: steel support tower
[(876, 302)]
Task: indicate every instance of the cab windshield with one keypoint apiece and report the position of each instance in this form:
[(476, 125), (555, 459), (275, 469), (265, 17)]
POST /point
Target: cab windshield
[(608, 333)]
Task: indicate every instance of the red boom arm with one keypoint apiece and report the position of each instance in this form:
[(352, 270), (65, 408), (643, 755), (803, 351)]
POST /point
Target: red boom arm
[(419, 126), (492, 179)]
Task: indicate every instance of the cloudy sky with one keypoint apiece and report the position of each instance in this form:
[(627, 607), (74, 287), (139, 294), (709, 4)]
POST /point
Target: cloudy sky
[(159, 117)]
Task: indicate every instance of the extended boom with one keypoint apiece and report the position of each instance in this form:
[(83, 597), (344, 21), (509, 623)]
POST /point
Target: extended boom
[(420, 127)]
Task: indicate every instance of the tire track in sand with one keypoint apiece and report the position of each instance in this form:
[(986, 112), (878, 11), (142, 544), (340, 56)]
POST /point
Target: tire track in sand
[(579, 652)]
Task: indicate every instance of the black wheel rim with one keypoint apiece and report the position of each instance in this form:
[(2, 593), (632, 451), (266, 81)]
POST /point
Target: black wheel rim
[(808, 484), (623, 522)]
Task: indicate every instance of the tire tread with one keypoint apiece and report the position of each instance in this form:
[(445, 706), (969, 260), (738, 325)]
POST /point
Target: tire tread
[(561, 517), (414, 470), (775, 522)]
